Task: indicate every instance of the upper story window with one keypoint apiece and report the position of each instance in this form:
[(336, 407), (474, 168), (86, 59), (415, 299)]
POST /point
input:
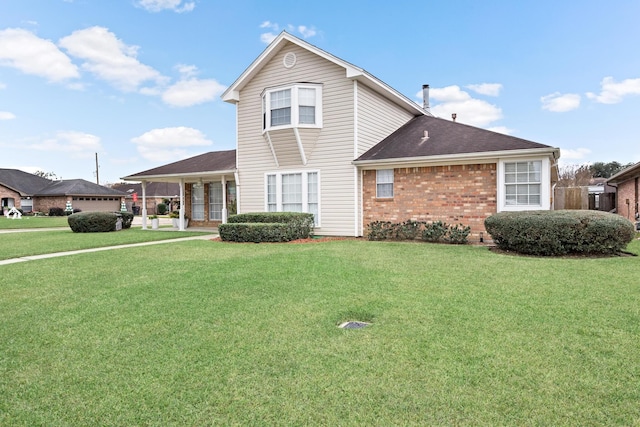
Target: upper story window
[(298, 105)]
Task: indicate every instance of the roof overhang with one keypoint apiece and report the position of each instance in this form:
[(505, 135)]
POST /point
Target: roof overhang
[(624, 175), (177, 177), (232, 94), (464, 158)]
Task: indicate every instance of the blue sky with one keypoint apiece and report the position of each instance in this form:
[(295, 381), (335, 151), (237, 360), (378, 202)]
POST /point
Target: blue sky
[(139, 81)]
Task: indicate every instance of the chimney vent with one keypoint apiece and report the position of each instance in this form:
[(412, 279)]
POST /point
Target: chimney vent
[(425, 98), (425, 136), (453, 116)]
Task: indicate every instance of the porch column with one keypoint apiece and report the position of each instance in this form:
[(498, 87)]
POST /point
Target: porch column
[(181, 220), (144, 205), (225, 211)]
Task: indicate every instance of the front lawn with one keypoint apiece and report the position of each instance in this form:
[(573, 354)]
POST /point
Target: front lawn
[(211, 333), (15, 245), (33, 222)]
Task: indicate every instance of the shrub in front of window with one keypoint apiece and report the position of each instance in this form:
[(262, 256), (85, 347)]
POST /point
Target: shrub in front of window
[(93, 222), (267, 227), (552, 233)]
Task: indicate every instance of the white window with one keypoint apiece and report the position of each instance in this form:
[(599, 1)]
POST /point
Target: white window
[(197, 202), (215, 201), (523, 182), (298, 105), (384, 183), (293, 192)]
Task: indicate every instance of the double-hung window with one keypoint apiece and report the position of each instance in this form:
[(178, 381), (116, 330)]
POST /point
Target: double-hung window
[(297, 105), (384, 183), (197, 202), (215, 201), (293, 192), (523, 183)]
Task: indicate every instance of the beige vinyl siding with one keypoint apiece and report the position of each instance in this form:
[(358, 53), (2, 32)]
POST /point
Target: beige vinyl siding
[(329, 150), (377, 118)]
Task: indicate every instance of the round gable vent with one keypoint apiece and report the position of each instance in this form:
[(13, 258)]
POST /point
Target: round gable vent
[(289, 60)]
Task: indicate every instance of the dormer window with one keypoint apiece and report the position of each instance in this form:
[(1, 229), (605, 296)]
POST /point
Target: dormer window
[(298, 105)]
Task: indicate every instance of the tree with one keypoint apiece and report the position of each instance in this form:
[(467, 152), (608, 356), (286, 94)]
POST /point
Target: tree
[(574, 175), (47, 175), (607, 170)]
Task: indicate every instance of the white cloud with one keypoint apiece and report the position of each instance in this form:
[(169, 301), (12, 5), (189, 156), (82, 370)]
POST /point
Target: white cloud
[(501, 129), (574, 154), (560, 103), (469, 110), (159, 5), (109, 58), (30, 54), (77, 144), (5, 115), (612, 92), (186, 93), (166, 144), (3, 86), (274, 27), (489, 89)]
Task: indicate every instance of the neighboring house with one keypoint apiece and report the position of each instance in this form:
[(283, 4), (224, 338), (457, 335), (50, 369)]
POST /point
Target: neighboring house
[(33, 193), (627, 183), (156, 193), (318, 134)]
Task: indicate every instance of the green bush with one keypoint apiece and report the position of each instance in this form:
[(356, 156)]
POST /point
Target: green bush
[(162, 208), (563, 232), (457, 234), (408, 230), (434, 231), (93, 222), (381, 230), (57, 212), (127, 219), (267, 227)]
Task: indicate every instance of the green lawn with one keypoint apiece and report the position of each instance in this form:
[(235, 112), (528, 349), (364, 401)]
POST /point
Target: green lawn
[(210, 333), (15, 245), (33, 222)]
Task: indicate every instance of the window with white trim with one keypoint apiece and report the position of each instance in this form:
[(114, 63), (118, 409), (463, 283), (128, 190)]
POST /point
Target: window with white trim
[(523, 183), (384, 183), (215, 201), (197, 201), (293, 192), (298, 105)]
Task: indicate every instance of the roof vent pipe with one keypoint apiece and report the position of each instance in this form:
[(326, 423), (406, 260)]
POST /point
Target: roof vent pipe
[(453, 116), (425, 98)]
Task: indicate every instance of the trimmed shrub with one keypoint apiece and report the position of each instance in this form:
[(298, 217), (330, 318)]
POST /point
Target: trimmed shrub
[(267, 227), (93, 222), (381, 230), (562, 232), (408, 230), (57, 212), (457, 234), (127, 219), (162, 209), (434, 231)]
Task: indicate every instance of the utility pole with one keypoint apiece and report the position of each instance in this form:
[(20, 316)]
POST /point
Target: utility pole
[(97, 176)]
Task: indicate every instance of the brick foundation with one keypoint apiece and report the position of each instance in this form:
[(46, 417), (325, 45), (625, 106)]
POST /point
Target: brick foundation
[(460, 194)]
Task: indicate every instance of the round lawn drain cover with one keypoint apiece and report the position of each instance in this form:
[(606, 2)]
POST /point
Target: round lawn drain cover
[(353, 325)]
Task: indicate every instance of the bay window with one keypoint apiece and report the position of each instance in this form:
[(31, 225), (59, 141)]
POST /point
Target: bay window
[(298, 105)]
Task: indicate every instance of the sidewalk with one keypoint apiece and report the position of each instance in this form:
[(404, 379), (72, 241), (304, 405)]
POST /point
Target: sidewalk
[(106, 248)]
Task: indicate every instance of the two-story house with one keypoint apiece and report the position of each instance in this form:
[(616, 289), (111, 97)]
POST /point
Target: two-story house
[(318, 134)]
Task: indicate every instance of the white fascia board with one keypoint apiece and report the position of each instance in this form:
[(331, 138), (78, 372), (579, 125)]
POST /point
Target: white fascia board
[(177, 176), (447, 159)]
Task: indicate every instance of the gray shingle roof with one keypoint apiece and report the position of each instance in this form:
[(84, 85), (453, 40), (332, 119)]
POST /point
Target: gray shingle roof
[(208, 162), (153, 189), (632, 171), (77, 187), (27, 184), (445, 138)]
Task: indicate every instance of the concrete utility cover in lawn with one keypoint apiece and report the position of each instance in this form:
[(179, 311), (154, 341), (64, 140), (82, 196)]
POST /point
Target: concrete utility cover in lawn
[(353, 325)]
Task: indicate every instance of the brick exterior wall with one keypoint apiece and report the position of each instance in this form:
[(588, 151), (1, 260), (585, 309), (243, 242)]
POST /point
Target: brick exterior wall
[(628, 190), (42, 204), (460, 194), (10, 194)]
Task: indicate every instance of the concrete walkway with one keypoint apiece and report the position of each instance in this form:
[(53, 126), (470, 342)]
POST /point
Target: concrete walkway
[(213, 233)]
